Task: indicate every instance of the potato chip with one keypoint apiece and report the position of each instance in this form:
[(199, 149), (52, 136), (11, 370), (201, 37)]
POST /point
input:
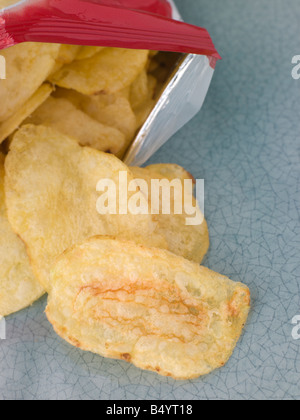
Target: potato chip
[(153, 66), (143, 112), (52, 199), (142, 97), (146, 306), (118, 113), (13, 122), (111, 110), (152, 86), (28, 65), (5, 3), (87, 52), (62, 115), (66, 54), (139, 90), (125, 93), (18, 287), (111, 70), (171, 171), (142, 90), (190, 242), (71, 95)]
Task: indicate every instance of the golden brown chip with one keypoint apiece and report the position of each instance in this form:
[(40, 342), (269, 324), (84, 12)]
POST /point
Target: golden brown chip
[(139, 90), (66, 54), (87, 52), (18, 287), (118, 113), (28, 65), (5, 3), (110, 70), (142, 97), (146, 306), (71, 95), (111, 110), (142, 90), (171, 171), (143, 112), (52, 199), (115, 113), (12, 123), (191, 242), (62, 115)]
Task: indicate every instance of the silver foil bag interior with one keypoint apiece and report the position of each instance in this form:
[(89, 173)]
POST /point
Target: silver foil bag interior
[(181, 99)]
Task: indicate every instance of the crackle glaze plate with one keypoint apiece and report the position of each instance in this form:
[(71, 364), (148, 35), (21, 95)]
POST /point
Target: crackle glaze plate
[(245, 143)]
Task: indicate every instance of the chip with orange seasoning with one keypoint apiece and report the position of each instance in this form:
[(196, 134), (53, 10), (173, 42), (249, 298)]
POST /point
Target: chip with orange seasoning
[(146, 306)]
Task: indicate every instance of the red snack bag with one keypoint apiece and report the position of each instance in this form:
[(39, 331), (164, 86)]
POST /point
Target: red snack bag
[(134, 24)]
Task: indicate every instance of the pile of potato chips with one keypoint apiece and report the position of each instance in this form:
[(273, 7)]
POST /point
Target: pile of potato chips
[(99, 96), (121, 285)]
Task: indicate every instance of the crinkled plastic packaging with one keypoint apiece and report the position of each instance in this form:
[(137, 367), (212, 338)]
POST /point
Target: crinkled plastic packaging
[(140, 24)]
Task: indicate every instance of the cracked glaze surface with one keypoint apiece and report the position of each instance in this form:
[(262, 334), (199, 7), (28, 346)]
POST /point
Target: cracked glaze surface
[(245, 143)]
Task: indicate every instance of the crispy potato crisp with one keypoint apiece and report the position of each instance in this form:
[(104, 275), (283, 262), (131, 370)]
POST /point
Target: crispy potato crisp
[(62, 115), (18, 287), (146, 306), (110, 70), (13, 122), (28, 65), (51, 189), (191, 242)]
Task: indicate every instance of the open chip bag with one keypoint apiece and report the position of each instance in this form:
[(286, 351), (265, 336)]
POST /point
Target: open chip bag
[(91, 90)]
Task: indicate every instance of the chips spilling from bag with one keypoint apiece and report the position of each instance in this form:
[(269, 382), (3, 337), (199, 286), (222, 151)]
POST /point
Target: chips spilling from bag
[(52, 198), (18, 286), (132, 290), (146, 306)]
